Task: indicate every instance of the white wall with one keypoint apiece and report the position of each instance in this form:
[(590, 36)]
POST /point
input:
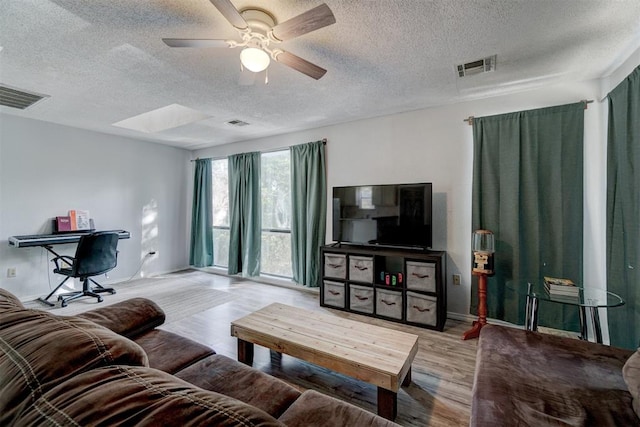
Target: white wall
[(613, 78), (47, 169), (435, 145)]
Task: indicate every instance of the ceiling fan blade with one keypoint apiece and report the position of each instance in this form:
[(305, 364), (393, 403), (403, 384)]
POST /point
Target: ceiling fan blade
[(195, 43), (302, 65), (304, 23), (229, 11)]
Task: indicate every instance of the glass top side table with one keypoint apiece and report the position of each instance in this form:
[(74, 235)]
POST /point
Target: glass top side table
[(588, 301)]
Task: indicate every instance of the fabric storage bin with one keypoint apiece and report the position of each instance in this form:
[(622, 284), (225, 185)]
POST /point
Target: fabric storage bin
[(334, 294), (361, 298), (335, 265), (389, 303), (421, 276), (422, 309), (361, 269)]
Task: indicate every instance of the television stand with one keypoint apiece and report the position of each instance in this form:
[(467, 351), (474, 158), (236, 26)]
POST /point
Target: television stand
[(402, 284)]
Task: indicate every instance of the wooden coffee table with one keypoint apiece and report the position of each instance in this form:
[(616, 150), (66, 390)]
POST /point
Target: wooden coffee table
[(370, 353)]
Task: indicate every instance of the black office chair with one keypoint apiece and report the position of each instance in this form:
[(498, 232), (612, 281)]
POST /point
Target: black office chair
[(96, 254)]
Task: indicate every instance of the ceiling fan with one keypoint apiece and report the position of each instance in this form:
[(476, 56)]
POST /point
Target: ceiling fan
[(260, 31)]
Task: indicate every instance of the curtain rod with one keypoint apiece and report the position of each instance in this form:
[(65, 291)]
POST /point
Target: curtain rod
[(585, 101), (324, 141)]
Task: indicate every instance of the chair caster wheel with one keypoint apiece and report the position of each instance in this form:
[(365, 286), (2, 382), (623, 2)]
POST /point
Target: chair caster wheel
[(113, 292), (99, 299), (64, 304)]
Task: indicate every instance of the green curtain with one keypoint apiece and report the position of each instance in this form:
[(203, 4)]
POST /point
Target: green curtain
[(245, 225), (623, 210), (527, 189), (308, 221), (201, 248)]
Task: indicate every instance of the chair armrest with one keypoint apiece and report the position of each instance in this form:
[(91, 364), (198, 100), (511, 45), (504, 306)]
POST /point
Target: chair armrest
[(130, 318), (66, 258)]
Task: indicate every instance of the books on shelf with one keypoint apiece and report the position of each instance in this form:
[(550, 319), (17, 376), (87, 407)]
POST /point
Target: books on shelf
[(63, 223), (80, 219), (72, 219), (563, 287)]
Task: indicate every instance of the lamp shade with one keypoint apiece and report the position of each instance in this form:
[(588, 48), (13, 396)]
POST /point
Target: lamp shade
[(254, 59), (483, 241)]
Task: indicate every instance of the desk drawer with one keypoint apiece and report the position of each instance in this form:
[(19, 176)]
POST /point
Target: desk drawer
[(422, 309), (361, 298), (334, 294), (335, 265), (361, 269), (389, 303), (421, 276)]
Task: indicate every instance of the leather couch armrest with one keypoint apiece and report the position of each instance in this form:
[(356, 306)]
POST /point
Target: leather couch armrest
[(129, 318)]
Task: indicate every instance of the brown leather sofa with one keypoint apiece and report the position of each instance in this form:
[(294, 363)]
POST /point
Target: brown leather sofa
[(527, 378), (112, 366)]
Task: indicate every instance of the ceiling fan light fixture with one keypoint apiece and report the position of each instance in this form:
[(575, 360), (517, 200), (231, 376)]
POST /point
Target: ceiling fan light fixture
[(254, 59)]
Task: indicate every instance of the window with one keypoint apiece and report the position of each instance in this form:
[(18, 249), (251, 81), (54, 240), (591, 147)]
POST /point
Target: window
[(275, 182), (365, 197), (276, 213), (220, 189)]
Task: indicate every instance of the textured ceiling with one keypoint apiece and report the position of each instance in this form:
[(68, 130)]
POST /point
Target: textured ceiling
[(103, 61)]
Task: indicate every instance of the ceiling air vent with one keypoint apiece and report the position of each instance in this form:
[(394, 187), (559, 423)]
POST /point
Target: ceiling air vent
[(237, 123), (476, 67), (16, 98)]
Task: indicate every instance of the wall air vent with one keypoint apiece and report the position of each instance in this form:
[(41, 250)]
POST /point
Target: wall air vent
[(476, 67), (237, 123), (17, 98)]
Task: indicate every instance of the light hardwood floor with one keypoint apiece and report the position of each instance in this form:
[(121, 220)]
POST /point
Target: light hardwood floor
[(440, 392)]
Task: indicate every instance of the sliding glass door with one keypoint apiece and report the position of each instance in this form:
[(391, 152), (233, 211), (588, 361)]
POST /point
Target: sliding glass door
[(276, 213), (220, 190), (275, 181)]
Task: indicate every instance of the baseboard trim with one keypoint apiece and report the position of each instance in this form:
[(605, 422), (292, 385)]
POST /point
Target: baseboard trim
[(268, 280), (471, 318)]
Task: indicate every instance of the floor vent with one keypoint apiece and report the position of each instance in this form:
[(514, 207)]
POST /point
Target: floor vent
[(16, 98), (237, 123), (476, 67)]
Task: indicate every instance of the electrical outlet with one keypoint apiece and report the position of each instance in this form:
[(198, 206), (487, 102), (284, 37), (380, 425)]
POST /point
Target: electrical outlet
[(11, 272), (456, 279)]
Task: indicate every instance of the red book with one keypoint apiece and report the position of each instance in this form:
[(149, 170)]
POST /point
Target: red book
[(73, 220), (63, 223)]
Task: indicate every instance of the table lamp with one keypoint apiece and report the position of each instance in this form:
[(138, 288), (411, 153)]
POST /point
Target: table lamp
[(483, 249)]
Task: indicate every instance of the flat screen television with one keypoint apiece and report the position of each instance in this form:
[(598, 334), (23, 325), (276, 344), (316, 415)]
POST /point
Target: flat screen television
[(386, 215)]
